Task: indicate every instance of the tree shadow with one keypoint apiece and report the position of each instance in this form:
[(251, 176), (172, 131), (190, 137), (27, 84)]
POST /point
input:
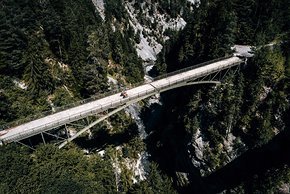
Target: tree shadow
[(274, 154), (102, 138)]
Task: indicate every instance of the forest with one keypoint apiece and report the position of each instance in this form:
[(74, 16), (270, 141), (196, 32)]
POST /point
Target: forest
[(53, 53), (247, 112)]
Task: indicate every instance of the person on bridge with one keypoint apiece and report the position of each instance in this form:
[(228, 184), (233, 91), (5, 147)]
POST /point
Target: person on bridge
[(124, 94)]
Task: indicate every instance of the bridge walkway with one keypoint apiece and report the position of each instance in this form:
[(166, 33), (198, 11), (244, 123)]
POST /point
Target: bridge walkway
[(170, 81)]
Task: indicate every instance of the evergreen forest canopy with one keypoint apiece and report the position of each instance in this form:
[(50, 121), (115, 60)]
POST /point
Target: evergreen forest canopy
[(244, 114), (58, 48), (63, 51), (50, 170)]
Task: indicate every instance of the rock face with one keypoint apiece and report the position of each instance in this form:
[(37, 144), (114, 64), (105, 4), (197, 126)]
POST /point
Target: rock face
[(99, 4), (149, 26), (151, 37), (284, 188)]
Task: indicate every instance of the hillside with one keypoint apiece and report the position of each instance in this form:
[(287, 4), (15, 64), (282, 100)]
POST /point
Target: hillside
[(187, 140)]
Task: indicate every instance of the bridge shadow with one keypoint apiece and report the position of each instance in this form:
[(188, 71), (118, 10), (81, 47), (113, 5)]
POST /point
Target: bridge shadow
[(274, 154), (166, 145), (102, 138), (257, 161), (168, 149), (55, 136)]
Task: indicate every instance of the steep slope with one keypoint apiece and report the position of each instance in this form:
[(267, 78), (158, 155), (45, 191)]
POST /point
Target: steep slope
[(212, 126), (53, 53), (63, 51)]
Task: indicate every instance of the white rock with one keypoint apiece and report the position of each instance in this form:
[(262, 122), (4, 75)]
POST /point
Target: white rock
[(99, 4), (20, 84), (102, 153), (194, 1), (134, 111), (112, 80)]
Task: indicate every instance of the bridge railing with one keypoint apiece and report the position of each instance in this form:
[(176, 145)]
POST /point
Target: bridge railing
[(99, 96), (191, 67), (197, 75), (43, 127), (57, 109)]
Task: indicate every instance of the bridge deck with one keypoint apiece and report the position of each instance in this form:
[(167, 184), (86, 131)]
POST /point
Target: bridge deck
[(58, 119)]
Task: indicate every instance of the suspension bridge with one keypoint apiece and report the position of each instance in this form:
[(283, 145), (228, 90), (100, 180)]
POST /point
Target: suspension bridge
[(110, 104)]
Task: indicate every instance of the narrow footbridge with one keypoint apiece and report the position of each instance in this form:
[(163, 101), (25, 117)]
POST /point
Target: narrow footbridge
[(115, 102)]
